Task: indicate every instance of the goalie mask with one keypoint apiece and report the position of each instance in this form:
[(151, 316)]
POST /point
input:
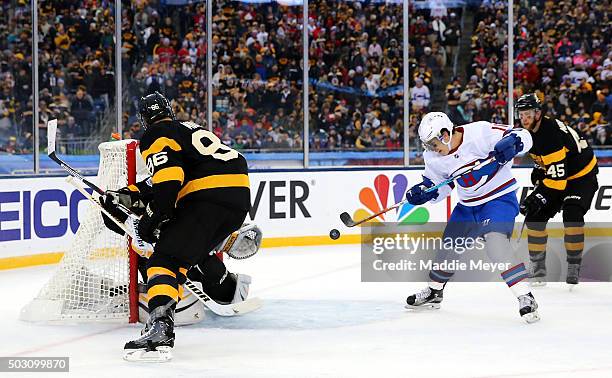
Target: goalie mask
[(152, 108), (431, 128)]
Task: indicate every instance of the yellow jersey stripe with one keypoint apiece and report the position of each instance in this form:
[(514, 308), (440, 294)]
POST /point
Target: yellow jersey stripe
[(163, 289), (159, 145), (555, 156), (183, 271), (589, 167), (215, 181), (158, 270), (169, 174), (555, 184)]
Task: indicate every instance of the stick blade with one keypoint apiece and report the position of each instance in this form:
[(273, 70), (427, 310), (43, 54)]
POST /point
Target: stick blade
[(347, 220), (51, 131)]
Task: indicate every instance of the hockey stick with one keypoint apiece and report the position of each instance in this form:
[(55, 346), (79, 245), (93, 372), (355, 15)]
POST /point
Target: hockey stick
[(232, 309), (350, 222), (51, 133)]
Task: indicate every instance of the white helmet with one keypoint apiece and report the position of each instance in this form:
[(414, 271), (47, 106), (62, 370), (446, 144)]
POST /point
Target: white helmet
[(431, 127)]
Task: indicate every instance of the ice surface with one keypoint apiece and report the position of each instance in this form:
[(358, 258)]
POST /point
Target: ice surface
[(319, 320)]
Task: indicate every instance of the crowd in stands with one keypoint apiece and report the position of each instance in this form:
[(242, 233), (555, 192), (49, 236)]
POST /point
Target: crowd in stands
[(480, 93), (75, 68), (356, 68), (562, 51)]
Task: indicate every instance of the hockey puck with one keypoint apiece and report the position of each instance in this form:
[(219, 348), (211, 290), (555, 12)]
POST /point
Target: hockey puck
[(334, 234)]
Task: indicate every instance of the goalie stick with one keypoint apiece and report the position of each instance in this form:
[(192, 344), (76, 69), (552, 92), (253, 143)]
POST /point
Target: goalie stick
[(231, 309), (350, 222)]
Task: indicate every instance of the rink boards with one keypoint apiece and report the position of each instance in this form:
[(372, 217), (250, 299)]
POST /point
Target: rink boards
[(39, 216)]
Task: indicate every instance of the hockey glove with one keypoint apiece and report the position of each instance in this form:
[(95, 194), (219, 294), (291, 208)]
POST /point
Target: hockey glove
[(131, 199), (507, 148), (537, 175), (110, 205), (150, 225), (417, 194), (533, 204)]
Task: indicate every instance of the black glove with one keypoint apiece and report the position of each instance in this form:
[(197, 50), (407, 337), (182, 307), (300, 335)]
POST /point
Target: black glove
[(150, 225), (537, 175), (109, 205), (130, 199), (533, 204)]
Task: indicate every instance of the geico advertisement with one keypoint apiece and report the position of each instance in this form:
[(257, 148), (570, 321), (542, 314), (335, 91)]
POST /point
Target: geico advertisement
[(40, 215)]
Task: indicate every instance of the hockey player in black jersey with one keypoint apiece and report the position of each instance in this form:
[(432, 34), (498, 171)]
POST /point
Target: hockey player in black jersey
[(565, 176), (199, 195)]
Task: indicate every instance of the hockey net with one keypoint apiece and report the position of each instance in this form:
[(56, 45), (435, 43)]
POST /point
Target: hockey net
[(96, 280)]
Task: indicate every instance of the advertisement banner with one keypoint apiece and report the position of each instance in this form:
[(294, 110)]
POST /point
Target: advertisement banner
[(41, 215)]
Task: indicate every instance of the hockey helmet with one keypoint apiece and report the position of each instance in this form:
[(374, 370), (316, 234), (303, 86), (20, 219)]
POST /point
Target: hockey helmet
[(528, 101), (152, 108), (431, 127)]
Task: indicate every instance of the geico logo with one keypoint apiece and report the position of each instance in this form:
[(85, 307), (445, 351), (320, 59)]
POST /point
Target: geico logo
[(282, 196), (602, 199), (43, 211)]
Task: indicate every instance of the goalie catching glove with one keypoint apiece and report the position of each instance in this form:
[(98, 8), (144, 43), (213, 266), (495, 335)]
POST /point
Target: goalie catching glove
[(243, 243)]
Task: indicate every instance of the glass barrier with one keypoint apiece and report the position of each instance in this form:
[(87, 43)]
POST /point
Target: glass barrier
[(257, 81), (438, 53), (563, 54), (16, 134), (356, 86), (458, 64)]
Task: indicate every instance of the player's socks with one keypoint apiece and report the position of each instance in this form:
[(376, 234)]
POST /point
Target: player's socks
[(515, 277)]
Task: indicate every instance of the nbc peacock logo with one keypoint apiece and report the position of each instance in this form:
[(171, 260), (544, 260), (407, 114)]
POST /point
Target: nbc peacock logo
[(378, 198)]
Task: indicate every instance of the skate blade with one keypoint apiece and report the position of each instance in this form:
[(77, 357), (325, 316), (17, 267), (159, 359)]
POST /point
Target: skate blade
[(162, 354), (531, 317), (537, 283), (426, 306)]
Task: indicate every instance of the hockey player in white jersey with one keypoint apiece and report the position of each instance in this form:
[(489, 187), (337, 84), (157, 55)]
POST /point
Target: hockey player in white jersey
[(487, 200)]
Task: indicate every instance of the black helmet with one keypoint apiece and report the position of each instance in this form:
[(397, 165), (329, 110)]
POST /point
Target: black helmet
[(152, 108), (528, 101)]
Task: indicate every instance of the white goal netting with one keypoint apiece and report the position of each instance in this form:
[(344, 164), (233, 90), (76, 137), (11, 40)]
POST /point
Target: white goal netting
[(92, 281)]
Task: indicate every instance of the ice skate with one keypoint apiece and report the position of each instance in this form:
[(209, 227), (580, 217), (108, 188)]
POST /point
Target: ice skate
[(427, 298), (157, 340), (537, 273), (528, 308), (573, 275)]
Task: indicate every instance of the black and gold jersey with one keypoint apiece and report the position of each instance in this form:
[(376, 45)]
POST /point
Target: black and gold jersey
[(561, 154), (188, 163)]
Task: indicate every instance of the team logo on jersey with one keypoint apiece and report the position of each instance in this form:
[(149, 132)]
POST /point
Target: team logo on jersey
[(377, 198), (478, 177)]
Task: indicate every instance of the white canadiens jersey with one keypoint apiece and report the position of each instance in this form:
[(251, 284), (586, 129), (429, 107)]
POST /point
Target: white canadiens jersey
[(482, 185)]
